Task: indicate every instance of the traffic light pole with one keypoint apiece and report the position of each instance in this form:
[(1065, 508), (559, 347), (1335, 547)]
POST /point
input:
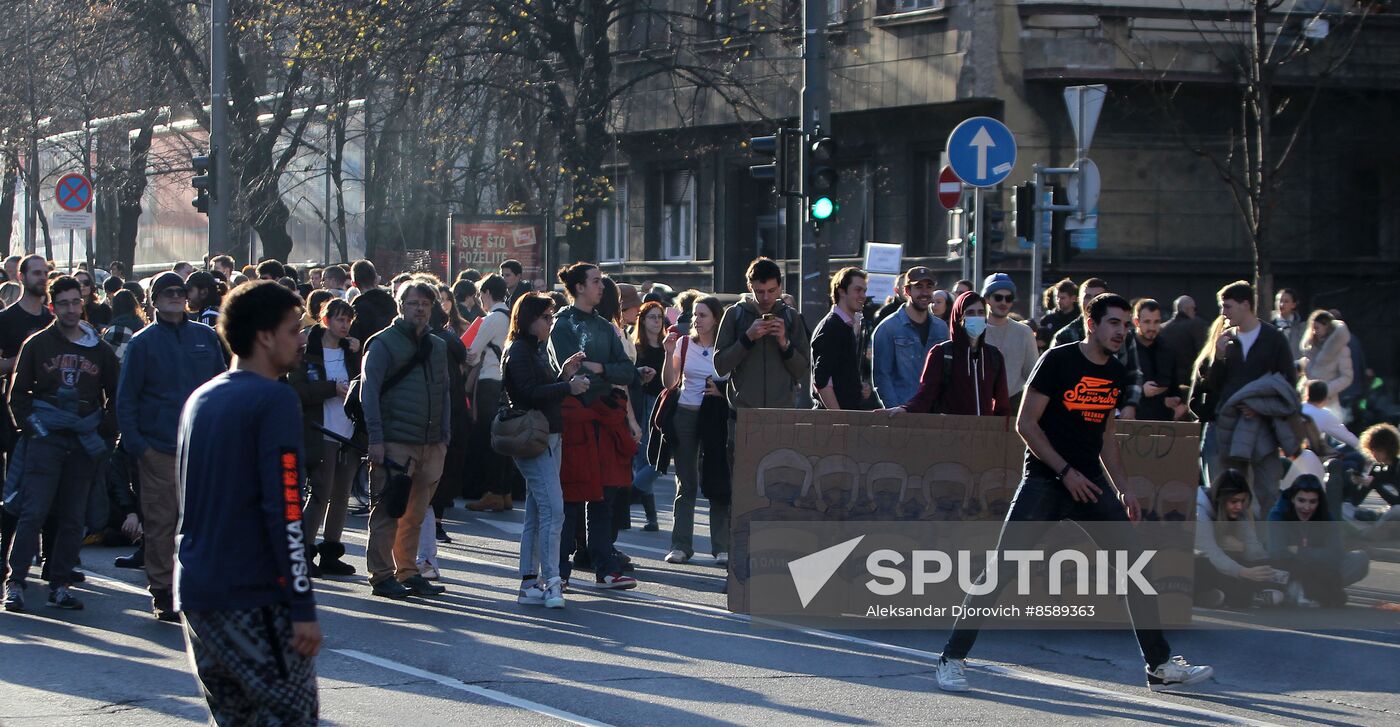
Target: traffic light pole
[(816, 110), (1045, 209), (222, 193)]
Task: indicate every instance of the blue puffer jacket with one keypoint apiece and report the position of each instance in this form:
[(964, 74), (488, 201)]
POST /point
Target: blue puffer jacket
[(163, 365)]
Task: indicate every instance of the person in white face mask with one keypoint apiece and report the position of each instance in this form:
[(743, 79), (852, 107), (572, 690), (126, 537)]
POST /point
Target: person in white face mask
[(964, 375)]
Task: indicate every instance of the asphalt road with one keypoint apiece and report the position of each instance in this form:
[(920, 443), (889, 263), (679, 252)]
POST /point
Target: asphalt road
[(670, 654)]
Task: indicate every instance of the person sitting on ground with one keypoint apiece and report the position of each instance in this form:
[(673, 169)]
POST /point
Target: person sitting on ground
[(1231, 562), (1316, 393), (1305, 541), (1380, 444)]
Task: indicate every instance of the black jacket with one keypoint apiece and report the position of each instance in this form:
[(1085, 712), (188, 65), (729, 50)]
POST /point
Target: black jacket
[(530, 383), (1185, 337), (1217, 381), (309, 381), (1158, 365), (836, 361), (375, 309)]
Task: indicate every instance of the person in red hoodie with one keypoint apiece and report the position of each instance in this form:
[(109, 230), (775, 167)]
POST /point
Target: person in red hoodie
[(963, 375)]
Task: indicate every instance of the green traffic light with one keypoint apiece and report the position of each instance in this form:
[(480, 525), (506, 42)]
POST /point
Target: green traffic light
[(823, 207)]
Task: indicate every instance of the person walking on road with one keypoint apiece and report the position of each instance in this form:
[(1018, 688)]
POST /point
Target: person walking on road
[(494, 475), (243, 583), (407, 412), (62, 393), (702, 467), (164, 363), (1073, 470), (530, 384)]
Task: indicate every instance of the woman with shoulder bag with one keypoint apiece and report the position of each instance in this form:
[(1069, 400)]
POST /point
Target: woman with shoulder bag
[(701, 428), (530, 384)]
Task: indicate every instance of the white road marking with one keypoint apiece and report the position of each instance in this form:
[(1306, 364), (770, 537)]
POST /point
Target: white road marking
[(459, 685), (917, 654)]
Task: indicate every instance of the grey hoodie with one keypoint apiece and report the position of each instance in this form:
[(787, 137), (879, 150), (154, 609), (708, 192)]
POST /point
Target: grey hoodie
[(762, 376)]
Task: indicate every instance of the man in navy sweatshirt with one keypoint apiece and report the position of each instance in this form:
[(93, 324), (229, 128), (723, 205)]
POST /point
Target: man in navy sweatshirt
[(241, 575)]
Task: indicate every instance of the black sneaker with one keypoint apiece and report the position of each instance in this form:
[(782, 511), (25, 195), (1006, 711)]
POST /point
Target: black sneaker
[(390, 588), (163, 606), (420, 586), (14, 597), (442, 534), (135, 561), (61, 598)]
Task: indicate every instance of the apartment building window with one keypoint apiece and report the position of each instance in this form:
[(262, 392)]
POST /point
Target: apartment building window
[(678, 215), (643, 24), (891, 7), (613, 225), (726, 17)]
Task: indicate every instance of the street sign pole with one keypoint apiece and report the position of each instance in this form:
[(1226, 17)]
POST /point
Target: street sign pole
[(979, 221), (222, 196), (816, 108)]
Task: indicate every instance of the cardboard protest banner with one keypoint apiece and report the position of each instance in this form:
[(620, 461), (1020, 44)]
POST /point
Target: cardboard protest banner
[(795, 467)]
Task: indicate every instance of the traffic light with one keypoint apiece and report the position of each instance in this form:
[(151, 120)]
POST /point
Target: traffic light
[(768, 147), (1061, 250), (823, 178), (1023, 214), (995, 219), (203, 182)]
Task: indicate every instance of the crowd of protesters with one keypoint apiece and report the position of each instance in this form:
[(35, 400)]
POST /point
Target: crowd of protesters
[(111, 434)]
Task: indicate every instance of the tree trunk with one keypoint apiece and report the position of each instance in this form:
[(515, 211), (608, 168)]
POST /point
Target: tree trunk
[(10, 181), (131, 192)]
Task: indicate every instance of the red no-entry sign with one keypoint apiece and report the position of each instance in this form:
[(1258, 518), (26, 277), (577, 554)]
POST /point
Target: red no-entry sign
[(73, 192), (950, 189)]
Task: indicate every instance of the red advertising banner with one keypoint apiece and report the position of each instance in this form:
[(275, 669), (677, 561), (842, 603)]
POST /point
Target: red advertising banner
[(485, 243)]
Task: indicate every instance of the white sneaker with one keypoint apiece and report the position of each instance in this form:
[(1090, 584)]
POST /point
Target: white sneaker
[(1268, 598), (677, 556), (952, 675), (428, 570), (531, 595), (1176, 672), (554, 594), (721, 558)]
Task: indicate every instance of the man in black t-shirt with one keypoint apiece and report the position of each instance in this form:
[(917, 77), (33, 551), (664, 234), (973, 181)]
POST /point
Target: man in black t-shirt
[(1072, 471)]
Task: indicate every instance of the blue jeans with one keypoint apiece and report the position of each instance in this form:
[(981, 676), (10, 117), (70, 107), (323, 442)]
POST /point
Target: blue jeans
[(1046, 501), (544, 512), (643, 474)]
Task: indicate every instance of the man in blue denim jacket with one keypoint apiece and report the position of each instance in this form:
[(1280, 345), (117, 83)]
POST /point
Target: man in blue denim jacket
[(903, 340)]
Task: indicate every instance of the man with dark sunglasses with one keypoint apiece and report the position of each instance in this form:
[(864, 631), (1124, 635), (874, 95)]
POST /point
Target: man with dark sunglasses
[(164, 363), (1015, 340)]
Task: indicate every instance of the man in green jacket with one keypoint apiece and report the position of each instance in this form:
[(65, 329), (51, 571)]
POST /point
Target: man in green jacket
[(407, 405), (763, 345)]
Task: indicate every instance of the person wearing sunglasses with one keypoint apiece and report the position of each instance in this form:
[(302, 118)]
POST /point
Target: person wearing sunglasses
[(1015, 340), (164, 364)]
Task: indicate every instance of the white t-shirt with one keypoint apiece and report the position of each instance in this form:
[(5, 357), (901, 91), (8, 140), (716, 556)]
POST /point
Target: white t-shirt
[(1247, 339), (699, 365), (333, 409)]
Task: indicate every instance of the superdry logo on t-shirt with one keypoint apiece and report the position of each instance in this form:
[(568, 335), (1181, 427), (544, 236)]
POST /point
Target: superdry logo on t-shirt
[(1093, 398)]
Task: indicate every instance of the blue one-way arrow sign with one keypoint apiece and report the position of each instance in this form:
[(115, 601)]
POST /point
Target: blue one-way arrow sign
[(982, 151)]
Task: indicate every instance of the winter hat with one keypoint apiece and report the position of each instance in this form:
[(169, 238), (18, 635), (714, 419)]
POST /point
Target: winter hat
[(168, 279), (996, 282)]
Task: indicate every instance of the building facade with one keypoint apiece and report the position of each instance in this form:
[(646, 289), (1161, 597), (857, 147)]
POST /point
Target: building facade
[(905, 72)]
